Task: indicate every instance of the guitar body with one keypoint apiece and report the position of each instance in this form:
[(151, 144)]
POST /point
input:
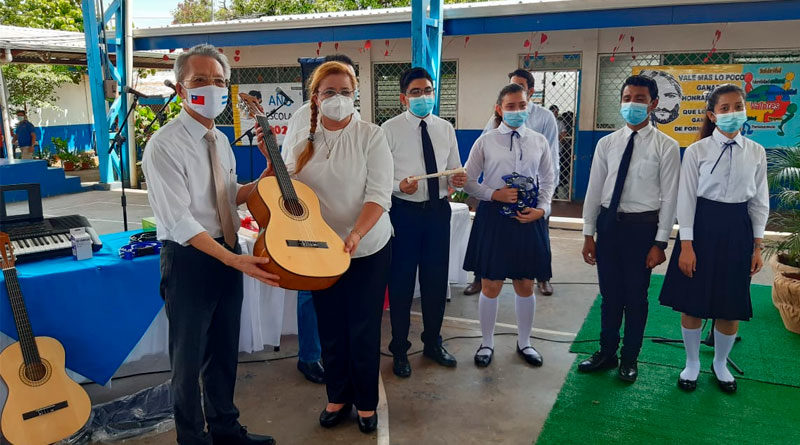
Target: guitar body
[(45, 411), (303, 250)]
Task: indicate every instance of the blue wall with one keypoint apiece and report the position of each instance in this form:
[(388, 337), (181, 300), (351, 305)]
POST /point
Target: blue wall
[(78, 136)]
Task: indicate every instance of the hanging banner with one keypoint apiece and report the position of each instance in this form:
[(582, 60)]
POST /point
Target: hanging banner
[(772, 99), (270, 100)]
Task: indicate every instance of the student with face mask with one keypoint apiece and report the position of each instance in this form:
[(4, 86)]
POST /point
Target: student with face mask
[(192, 188), (723, 205), (507, 241), (630, 204), (347, 163), (421, 143)]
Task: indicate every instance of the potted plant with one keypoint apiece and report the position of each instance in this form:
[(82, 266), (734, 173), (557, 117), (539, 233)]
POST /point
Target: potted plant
[(784, 254), (86, 159), (69, 160)]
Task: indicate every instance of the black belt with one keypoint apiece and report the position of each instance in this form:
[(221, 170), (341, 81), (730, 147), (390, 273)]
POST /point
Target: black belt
[(420, 205), (636, 218)]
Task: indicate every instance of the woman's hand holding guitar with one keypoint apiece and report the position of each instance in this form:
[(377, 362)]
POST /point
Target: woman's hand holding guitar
[(262, 147)]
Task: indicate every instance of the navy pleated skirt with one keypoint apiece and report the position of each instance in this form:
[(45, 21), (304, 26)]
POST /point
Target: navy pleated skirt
[(501, 247), (723, 245)]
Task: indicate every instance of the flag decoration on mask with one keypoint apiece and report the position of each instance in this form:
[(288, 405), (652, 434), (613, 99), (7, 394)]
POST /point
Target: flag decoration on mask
[(198, 100)]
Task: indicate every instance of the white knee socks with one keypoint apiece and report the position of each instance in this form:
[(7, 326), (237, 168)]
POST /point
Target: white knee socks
[(526, 308), (487, 307), (691, 342), (722, 347)]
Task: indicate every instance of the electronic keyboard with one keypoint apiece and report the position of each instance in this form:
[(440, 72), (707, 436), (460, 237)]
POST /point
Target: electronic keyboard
[(47, 238)]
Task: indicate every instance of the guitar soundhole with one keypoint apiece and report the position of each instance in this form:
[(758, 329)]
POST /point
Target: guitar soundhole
[(294, 208), (36, 374)]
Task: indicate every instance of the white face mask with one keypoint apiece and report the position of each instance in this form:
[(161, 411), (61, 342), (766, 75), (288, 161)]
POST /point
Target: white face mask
[(337, 108), (209, 101)]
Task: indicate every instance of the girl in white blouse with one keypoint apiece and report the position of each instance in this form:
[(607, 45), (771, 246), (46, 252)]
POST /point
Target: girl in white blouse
[(511, 245), (348, 164), (723, 204)]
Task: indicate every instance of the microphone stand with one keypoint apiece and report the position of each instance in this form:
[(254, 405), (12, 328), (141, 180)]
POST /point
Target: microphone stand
[(119, 139), (159, 113)]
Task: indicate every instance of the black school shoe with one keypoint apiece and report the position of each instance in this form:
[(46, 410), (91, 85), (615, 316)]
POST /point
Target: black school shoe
[(483, 361), (329, 419), (533, 358), (687, 385), (440, 355), (242, 437), (368, 424), (726, 387), (313, 371), (597, 362), (628, 371), (401, 367)]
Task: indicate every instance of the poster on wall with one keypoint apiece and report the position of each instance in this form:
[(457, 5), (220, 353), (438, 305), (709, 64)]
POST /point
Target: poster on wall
[(270, 100), (772, 100)]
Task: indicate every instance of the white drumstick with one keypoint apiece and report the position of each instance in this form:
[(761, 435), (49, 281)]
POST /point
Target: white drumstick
[(440, 174)]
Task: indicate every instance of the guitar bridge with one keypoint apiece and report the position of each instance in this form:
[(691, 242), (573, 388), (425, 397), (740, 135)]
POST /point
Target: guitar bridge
[(305, 243), (45, 410)]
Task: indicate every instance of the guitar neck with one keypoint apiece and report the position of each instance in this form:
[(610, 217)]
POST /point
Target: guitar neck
[(275, 158), (30, 352)]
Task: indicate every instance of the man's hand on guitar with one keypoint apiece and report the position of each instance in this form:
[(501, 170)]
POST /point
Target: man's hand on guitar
[(409, 187), (248, 265)]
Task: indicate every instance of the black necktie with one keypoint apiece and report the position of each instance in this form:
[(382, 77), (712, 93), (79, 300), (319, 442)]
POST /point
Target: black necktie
[(430, 161), (622, 172), (511, 146), (726, 146)]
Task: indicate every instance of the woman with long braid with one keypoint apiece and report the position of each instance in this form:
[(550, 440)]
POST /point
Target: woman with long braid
[(348, 164)]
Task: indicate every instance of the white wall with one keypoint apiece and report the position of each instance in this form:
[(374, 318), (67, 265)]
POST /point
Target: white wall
[(486, 59), (74, 106)]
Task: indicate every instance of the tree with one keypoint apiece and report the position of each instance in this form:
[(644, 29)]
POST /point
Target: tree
[(33, 86), (64, 15), (192, 11)]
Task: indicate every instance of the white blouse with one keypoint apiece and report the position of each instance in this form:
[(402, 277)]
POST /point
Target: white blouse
[(359, 170), (494, 155), (740, 175)]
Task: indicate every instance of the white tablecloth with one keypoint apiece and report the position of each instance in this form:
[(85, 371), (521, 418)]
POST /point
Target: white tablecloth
[(460, 226)]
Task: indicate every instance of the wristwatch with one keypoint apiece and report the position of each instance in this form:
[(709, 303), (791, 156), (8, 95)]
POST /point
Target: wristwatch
[(660, 244)]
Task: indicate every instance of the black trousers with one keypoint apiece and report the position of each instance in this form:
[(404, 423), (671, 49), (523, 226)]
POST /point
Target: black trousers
[(203, 300), (421, 241), (622, 249), (349, 321)]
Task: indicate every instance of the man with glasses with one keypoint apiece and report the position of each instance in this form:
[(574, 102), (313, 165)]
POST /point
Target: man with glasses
[(192, 188), (421, 143)]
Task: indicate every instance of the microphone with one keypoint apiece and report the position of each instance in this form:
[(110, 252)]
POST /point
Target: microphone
[(130, 90), (286, 99), (169, 84)]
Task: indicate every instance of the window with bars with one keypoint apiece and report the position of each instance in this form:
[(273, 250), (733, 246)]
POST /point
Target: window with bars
[(612, 74), (386, 90)]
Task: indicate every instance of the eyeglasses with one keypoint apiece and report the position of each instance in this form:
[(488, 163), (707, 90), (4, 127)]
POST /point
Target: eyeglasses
[(204, 81), (417, 92), (330, 92)]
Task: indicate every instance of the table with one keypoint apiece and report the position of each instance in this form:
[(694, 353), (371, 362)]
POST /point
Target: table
[(460, 226)]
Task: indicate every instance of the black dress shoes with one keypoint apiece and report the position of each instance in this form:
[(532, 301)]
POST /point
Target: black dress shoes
[(313, 371), (597, 362), (628, 371), (545, 288), (726, 387), (530, 355), (473, 288), (368, 424), (482, 360), (440, 355), (330, 419), (401, 368), (687, 385), (242, 437)]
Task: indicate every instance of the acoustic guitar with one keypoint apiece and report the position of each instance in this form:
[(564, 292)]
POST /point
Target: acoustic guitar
[(44, 405), (303, 250)]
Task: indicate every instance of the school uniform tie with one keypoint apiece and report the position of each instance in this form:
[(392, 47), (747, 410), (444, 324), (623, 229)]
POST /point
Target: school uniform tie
[(514, 134), (622, 173), (221, 192), (726, 146), (430, 162)]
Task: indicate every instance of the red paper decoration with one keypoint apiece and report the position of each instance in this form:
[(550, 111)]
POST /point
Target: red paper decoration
[(466, 40), (336, 46), (166, 57), (386, 53), (368, 44), (527, 43), (319, 45), (236, 58), (614, 52), (387, 43), (237, 52), (172, 50), (543, 39), (714, 41)]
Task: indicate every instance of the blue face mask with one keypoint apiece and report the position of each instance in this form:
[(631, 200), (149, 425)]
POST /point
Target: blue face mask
[(515, 119), (421, 106), (731, 122), (634, 113)]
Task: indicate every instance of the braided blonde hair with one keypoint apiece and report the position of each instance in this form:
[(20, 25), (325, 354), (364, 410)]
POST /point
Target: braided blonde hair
[(323, 71)]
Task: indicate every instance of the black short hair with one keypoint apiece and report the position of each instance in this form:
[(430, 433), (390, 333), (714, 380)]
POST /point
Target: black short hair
[(641, 81), (553, 107), (255, 93), (525, 74), (411, 75), (340, 58)]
